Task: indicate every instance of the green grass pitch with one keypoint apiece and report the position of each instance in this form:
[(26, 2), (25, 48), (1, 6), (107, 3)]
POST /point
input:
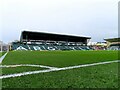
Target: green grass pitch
[(100, 76), (2, 53)]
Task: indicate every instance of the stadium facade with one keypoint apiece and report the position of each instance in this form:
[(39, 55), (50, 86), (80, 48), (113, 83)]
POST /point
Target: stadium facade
[(30, 40)]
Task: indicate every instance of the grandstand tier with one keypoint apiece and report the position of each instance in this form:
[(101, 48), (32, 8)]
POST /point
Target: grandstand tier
[(49, 41), (113, 43)]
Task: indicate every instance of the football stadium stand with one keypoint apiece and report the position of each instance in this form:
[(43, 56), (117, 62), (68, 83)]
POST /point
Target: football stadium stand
[(113, 43), (49, 41)]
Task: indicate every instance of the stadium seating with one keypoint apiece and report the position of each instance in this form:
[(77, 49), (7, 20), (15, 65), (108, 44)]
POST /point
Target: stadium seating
[(114, 47), (41, 47)]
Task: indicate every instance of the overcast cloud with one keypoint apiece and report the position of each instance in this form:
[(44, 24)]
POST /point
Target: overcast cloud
[(95, 18)]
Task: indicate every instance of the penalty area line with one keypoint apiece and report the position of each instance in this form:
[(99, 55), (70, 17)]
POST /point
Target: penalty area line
[(55, 69)]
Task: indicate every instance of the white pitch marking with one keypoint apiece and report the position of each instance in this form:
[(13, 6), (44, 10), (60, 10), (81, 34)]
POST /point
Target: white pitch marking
[(1, 58), (54, 69), (30, 65), (42, 66), (7, 66)]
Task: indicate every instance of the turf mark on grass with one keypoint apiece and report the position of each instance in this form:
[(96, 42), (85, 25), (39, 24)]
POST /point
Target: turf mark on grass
[(26, 65), (2, 57), (55, 69)]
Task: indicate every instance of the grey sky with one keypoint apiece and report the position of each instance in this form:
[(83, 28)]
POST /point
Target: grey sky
[(95, 18)]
